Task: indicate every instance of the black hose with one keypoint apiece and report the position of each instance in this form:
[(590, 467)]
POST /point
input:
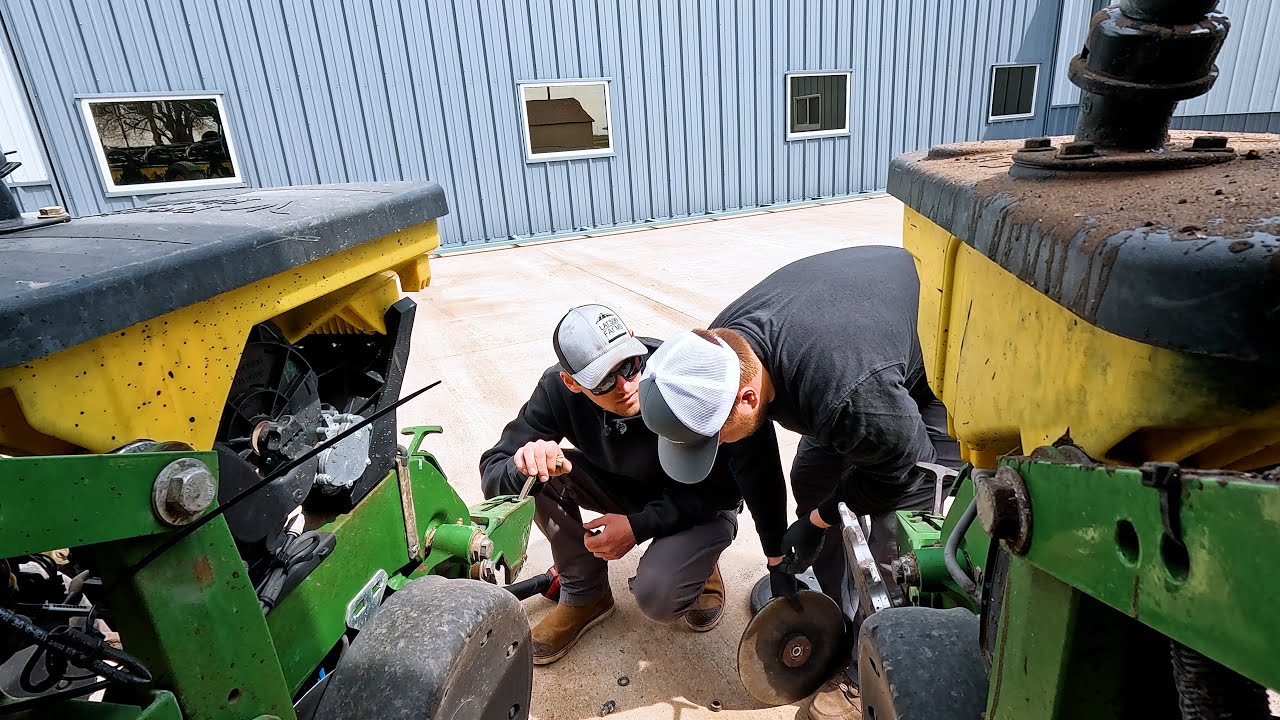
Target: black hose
[(537, 585), (65, 644), (952, 549)]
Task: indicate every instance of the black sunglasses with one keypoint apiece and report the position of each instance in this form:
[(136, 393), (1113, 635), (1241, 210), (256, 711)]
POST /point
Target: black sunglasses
[(628, 369)]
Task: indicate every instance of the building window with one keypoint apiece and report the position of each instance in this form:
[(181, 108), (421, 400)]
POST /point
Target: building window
[(566, 120), (817, 104), (1013, 92), (148, 145), (806, 113)]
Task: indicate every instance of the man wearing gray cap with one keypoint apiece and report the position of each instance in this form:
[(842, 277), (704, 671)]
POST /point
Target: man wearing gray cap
[(590, 399), (827, 347)]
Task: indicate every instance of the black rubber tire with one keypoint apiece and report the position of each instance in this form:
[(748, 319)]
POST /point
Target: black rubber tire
[(921, 664), (438, 648)]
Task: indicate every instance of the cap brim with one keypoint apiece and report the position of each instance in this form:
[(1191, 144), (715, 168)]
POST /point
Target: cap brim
[(598, 371), (688, 463)]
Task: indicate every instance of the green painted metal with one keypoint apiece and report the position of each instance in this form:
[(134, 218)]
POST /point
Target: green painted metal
[(1063, 655), (162, 706), (197, 624), (194, 620), (100, 498), (919, 529), (923, 535), (506, 520), (454, 539), (311, 620), (1100, 530)]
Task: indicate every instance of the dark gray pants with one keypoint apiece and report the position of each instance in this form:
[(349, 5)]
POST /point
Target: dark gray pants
[(672, 571), (816, 471)]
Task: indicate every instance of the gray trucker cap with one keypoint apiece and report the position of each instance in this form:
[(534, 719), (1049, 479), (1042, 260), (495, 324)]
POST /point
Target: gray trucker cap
[(591, 340)]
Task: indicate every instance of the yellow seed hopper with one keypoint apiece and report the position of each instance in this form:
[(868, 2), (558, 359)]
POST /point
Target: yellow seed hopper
[(137, 329), (1100, 305)]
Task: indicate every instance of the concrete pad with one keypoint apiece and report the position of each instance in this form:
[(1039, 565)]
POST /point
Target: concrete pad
[(484, 327)]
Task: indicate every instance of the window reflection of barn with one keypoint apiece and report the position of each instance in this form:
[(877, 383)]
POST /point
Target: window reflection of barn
[(558, 125)]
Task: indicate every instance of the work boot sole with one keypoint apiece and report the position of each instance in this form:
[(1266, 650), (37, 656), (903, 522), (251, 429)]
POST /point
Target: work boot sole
[(565, 650), (709, 626)]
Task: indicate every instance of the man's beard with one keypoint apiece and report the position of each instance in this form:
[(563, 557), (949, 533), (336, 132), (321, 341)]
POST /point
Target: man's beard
[(744, 425)]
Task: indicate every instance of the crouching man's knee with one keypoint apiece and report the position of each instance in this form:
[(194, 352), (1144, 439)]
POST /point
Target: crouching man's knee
[(657, 598)]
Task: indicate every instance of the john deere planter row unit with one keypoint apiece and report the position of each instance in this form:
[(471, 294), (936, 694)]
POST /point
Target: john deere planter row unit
[(1099, 315), (204, 509)]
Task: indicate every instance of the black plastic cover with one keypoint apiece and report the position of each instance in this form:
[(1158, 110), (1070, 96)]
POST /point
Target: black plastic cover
[(1186, 260), (64, 284)]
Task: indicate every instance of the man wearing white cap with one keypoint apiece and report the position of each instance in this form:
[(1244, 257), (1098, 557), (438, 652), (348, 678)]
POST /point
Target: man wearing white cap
[(590, 399), (826, 347)]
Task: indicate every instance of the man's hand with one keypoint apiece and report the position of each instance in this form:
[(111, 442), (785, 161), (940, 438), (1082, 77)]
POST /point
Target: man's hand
[(801, 544), (614, 541), (783, 584), (542, 458)]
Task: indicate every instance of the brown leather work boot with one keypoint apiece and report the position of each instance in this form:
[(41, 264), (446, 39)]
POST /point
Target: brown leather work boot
[(837, 699), (556, 633), (709, 607)]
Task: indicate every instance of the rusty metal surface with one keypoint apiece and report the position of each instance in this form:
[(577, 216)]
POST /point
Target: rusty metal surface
[(1180, 259)]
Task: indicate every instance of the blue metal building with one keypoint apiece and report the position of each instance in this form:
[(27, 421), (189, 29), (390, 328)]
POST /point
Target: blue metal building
[(545, 117)]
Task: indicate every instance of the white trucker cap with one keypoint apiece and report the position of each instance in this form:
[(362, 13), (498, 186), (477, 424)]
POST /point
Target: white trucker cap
[(591, 340), (686, 393)]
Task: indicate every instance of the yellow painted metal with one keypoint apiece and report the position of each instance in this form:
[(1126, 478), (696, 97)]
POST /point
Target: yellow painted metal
[(1017, 371), (167, 378)]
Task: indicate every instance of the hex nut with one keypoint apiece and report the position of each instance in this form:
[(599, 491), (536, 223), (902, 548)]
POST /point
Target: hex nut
[(1004, 508), (183, 490)]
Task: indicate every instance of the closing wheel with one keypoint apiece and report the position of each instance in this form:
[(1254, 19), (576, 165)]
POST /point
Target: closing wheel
[(916, 663), (438, 648)]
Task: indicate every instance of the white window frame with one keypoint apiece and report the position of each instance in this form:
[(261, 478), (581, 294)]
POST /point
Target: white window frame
[(530, 156), (848, 100), (158, 188), (810, 126), (991, 93)]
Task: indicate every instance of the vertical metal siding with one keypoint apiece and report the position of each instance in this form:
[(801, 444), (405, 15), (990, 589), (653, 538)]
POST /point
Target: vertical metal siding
[(1062, 121), (17, 130), (1248, 65), (349, 90)]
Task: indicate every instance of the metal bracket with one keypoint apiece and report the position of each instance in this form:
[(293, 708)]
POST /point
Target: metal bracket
[(1166, 478), (367, 601), (406, 503), (872, 591), (941, 474)]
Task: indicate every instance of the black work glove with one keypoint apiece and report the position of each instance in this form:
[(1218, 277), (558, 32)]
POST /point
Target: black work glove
[(800, 545), (783, 584)]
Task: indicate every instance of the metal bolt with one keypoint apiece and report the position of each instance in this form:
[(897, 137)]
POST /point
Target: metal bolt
[(1004, 508), (1039, 143), (484, 571), (183, 490), (906, 570), (481, 547), (1078, 149), (1209, 142)]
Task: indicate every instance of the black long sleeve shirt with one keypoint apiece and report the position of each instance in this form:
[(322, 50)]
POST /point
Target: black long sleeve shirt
[(623, 461), (837, 334)]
